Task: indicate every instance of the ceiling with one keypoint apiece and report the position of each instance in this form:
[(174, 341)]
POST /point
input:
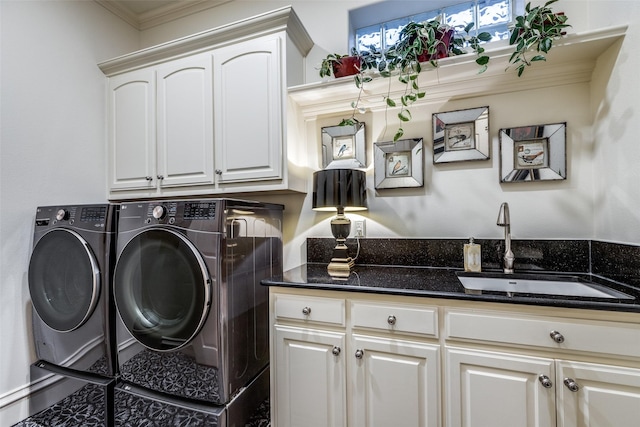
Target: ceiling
[(144, 14)]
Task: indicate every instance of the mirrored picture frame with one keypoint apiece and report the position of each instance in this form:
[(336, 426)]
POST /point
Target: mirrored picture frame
[(461, 135), (343, 147), (533, 153), (398, 164)]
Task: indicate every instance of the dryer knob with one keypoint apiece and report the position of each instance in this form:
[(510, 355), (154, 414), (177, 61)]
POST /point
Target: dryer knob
[(62, 214), (159, 212)]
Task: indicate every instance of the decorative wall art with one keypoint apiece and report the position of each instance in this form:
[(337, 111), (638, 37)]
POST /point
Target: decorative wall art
[(343, 147), (533, 153), (398, 164), (461, 135)]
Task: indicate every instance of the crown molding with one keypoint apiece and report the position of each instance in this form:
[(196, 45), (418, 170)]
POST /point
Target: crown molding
[(159, 15), (283, 19)]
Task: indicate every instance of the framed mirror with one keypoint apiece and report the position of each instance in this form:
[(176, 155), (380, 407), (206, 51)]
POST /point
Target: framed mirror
[(533, 153), (461, 135), (398, 164), (343, 147)]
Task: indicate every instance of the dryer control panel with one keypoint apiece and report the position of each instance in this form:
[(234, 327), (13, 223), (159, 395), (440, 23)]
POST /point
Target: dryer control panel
[(85, 216), (203, 215), (199, 210)]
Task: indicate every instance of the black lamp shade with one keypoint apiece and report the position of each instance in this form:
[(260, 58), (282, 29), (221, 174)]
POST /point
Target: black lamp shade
[(346, 188)]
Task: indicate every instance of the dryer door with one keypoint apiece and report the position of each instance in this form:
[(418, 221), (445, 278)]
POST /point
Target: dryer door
[(162, 289), (64, 280)]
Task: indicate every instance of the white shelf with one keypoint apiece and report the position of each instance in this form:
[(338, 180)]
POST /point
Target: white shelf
[(571, 61)]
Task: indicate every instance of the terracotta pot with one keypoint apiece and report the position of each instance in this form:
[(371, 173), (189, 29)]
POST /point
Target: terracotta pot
[(442, 50), (347, 66)]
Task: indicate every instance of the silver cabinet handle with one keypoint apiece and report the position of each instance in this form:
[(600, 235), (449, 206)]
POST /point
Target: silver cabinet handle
[(336, 350), (306, 311), (359, 354), (160, 177), (148, 178), (545, 381), (556, 336), (391, 320), (571, 384)]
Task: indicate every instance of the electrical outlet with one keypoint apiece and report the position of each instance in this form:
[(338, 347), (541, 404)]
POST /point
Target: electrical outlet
[(359, 230)]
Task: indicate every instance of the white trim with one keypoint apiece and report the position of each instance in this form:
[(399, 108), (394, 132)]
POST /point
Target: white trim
[(23, 392), (159, 15)]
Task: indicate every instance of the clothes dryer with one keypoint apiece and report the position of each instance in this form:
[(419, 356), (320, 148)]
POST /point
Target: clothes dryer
[(69, 282), (187, 288)]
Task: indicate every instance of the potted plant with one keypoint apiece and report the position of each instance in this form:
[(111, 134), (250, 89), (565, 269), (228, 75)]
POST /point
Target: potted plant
[(459, 45), (533, 34), (340, 65), (355, 64), (348, 65), (429, 41), (418, 42), (421, 42)]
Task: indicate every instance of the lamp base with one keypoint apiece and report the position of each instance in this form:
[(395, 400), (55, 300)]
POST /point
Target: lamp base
[(341, 263)]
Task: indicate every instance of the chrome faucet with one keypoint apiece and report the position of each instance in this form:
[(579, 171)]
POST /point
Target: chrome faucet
[(505, 221)]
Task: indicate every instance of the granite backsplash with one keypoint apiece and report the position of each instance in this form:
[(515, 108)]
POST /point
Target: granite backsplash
[(615, 261)]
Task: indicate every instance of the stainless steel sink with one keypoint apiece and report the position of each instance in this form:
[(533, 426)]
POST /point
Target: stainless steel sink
[(570, 286)]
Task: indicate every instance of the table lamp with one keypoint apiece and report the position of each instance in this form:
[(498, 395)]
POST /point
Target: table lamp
[(341, 190)]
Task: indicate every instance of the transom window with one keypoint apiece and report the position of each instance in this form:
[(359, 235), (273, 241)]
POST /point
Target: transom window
[(492, 16)]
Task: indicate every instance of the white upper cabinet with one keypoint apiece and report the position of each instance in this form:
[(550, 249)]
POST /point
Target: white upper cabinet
[(185, 122), (248, 123), (206, 114), (131, 131)]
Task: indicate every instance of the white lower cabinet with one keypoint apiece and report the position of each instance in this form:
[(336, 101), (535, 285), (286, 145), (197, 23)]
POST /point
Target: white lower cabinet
[(359, 360), (508, 390), (597, 395), (511, 387), (381, 378), (311, 383), (393, 383), (498, 389)]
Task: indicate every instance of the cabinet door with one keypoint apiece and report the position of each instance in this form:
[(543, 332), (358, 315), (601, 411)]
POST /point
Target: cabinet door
[(309, 374), (498, 390), (185, 122), (131, 133), (248, 99), (393, 383), (601, 395)]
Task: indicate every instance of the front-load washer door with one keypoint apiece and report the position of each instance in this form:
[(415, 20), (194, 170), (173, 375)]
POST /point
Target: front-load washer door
[(162, 289), (64, 280)]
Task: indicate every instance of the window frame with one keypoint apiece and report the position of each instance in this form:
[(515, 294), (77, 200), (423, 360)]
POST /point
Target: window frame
[(391, 10)]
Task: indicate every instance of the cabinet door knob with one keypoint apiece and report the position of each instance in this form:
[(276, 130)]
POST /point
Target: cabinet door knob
[(359, 354), (336, 350), (160, 177), (306, 311), (556, 336), (391, 320), (545, 381), (148, 178), (571, 384), (218, 172)]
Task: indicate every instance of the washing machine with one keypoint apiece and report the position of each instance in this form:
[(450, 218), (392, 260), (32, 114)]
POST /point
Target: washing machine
[(69, 278), (187, 289)]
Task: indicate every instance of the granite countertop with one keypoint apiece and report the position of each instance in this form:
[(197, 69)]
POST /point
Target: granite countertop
[(443, 283)]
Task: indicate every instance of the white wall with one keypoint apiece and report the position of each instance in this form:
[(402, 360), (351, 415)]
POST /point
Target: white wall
[(616, 116), (52, 146), (53, 143)]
